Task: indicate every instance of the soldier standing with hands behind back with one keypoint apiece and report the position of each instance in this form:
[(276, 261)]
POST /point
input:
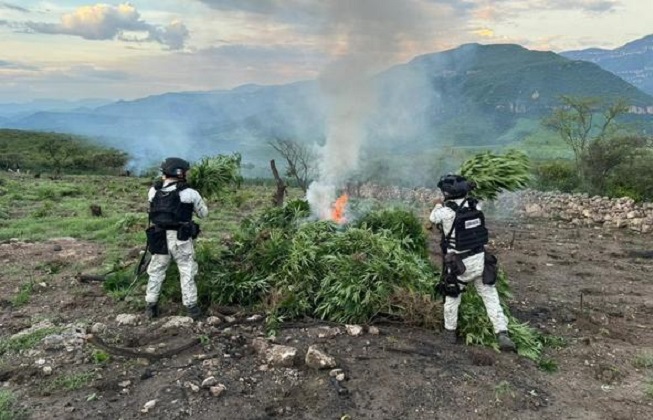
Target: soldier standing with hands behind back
[(172, 204)]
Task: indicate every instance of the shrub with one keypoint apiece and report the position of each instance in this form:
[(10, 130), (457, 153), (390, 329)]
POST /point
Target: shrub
[(558, 175)]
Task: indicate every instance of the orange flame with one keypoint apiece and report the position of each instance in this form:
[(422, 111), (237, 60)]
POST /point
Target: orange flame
[(338, 209)]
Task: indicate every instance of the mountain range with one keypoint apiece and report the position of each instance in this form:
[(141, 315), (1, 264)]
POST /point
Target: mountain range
[(470, 95), (633, 61)]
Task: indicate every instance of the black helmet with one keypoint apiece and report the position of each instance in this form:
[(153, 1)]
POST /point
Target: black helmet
[(455, 186), (175, 167)]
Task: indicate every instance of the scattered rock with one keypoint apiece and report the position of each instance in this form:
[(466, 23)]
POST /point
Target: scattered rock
[(260, 345), (319, 360), (127, 319), (98, 328), (340, 377), (328, 332), (373, 330), (47, 370), (178, 322), (335, 372), (281, 356), (354, 330), (193, 387), (229, 319), (148, 406), (124, 384), (255, 317), (217, 390), (39, 362), (209, 382), (57, 248), (213, 321)]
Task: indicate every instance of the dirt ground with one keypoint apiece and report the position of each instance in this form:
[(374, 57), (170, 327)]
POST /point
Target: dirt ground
[(592, 287)]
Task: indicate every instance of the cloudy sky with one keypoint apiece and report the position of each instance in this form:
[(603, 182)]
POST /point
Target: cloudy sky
[(73, 49)]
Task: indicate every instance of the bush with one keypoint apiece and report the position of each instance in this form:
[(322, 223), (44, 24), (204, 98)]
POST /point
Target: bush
[(634, 180), (558, 175)]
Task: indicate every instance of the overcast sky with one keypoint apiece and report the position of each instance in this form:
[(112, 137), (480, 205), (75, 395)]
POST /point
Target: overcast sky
[(72, 49)]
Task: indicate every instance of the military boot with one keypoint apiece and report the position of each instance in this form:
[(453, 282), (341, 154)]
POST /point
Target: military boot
[(505, 343), (152, 310), (194, 312)]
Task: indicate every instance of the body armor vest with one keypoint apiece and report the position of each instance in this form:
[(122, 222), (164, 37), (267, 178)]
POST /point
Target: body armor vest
[(469, 227), (166, 209)]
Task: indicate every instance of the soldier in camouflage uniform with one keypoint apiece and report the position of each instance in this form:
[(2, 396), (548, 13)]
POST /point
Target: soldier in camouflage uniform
[(172, 205)]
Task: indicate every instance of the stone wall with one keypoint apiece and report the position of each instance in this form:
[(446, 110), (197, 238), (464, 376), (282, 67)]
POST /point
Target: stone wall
[(583, 210)]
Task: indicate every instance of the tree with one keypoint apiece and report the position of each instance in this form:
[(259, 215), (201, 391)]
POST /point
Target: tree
[(300, 159), (605, 154), (576, 123), (58, 152)]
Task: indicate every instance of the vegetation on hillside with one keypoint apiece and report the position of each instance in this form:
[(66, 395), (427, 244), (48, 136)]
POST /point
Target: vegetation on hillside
[(57, 153), (608, 158)]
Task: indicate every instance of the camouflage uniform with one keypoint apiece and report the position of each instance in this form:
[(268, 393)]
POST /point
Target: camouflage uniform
[(181, 251), (474, 271)]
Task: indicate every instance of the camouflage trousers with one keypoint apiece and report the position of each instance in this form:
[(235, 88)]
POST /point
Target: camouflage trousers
[(183, 253), (474, 274)]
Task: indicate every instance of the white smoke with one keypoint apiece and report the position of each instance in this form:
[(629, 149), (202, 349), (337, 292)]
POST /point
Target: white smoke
[(369, 34)]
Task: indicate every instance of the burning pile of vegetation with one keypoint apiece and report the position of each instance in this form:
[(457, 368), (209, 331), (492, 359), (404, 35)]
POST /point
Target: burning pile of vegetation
[(344, 273)]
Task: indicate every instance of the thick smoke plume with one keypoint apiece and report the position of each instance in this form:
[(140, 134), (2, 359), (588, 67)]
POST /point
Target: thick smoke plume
[(369, 34)]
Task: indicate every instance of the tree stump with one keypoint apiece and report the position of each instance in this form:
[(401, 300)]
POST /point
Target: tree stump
[(96, 210), (279, 196)]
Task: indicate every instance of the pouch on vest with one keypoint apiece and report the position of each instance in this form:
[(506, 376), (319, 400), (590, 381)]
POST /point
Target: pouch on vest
[(454, 263), (188, 231), (157, 242), (490, 269)]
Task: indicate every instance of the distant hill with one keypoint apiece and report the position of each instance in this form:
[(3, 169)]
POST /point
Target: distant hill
[(13, 110), (632, 62), (471, 95)]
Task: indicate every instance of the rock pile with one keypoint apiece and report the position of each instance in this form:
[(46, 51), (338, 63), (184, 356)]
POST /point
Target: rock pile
[(583, 210)]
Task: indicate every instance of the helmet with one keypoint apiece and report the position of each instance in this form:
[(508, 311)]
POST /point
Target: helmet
[(175, 167), (455, 186)]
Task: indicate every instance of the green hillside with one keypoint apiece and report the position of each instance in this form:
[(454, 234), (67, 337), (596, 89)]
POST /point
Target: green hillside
[(53, 152)]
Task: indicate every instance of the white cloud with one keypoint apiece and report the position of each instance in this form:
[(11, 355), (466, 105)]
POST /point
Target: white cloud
[(104, 22)]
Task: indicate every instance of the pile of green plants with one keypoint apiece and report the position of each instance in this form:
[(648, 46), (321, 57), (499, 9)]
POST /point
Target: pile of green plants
[(494, 173), (298, 267), (295, 267), (214, 176)]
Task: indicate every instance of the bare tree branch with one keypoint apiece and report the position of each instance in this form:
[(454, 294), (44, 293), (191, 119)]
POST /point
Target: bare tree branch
[(300, 159)]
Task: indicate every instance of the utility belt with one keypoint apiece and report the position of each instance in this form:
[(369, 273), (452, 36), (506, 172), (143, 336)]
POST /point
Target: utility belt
[(157, 241), (469, 253), (453, 266)]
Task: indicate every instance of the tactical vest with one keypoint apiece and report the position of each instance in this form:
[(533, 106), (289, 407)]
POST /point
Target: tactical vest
[(166, 209), (469, 227)]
